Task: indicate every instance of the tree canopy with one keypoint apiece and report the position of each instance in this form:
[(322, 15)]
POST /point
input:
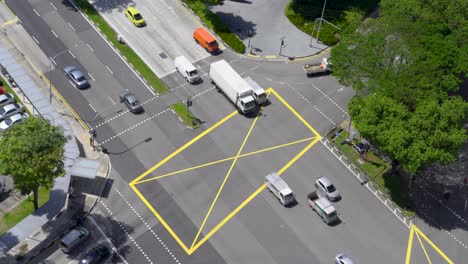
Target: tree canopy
[(32, 153), (404, 65)]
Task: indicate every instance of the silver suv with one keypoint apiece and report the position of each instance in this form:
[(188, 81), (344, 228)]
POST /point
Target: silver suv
[(326, 188)]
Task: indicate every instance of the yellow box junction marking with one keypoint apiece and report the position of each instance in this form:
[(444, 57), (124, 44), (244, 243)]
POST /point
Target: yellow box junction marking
[(196, 244), (419, 234)]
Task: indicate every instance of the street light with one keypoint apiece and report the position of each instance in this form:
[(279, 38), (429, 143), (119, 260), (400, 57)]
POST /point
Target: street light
[(321, 19), (50, 72)]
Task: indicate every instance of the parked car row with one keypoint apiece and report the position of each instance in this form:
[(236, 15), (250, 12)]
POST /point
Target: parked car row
[(10, 112)]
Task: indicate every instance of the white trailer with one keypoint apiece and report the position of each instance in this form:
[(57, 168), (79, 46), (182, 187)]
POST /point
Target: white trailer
[(233, 86), (279, 188), (258, 92)]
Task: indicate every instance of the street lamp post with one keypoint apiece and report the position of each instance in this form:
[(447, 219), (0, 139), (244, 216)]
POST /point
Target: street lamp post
[(321, 19), (50, 72)]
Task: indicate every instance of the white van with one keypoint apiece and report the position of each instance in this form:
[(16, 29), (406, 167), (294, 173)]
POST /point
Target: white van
[(257, 91), (279, 188), (188, 71)]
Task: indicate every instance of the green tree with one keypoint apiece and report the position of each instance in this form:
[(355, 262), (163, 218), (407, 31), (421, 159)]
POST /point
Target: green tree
[(32, 153), (433, 133)]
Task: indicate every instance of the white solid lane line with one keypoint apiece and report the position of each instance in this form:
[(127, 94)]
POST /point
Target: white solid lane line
[(36, 12), (91, 76), (55, 34), (109, 69), (89, 47), (35, 40), (53, 6), (71, 53), (92, 107), (111, 99), (71, 26)]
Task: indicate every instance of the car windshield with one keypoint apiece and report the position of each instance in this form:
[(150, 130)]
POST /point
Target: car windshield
[(135, 103), (2, 111), (193, 73), (331, 188), (213, 44), (8, 121), (138, 16), (80, 79)]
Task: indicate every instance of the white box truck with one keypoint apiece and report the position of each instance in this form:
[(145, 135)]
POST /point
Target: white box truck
[(233, 86), (318, 68), (279, 188), (186, 69), (323, 207), (258, 92)]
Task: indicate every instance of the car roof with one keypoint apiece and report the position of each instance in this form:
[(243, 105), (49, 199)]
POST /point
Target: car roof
[(76, 73), (11, 106), (325, 181), (131, 98), (16, 117), (7, 95), (133, 10)]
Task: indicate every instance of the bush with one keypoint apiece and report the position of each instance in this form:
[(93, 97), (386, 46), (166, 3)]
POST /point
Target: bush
[(217, 25)]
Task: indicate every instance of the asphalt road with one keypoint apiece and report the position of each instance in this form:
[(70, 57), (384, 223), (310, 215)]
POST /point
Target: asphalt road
[(262, 230)]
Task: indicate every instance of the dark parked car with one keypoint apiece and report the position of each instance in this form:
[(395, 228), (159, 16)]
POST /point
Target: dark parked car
[(76, 76), (131, 101), (95, 255)]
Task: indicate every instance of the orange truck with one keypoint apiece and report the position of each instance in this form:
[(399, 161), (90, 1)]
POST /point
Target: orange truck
[(205, 39)]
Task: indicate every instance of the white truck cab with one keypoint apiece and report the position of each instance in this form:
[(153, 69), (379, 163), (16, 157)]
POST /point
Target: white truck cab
[(258, 92), (279, 188), (186, 69)]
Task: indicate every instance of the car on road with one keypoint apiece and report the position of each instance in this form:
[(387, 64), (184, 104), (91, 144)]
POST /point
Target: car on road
[(6, 99), (326, 188), (135, 17), (343, 259), (95, 255), (76, 76), (73, 238), (131, 101), (11, 120), (9, 110)]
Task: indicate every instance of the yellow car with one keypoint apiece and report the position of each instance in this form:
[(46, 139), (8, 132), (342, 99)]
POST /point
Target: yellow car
[(134, 16)]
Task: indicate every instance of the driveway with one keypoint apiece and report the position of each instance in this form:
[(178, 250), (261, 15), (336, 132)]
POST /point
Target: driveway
[(268, 25)]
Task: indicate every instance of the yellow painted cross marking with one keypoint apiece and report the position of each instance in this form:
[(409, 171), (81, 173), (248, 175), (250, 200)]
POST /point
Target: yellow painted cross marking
[(419, 234), (196, 242)]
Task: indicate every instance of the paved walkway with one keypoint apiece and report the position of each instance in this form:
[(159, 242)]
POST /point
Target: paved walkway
[(266, 21)]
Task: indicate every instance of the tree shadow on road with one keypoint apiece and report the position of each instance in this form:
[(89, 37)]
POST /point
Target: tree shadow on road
[(441, 196), (243, 29), (103, 6)]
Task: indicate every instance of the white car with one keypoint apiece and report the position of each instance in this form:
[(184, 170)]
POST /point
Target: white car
[(9, 110), (343, 259), (11, 120), (6, 99), (326, 188)]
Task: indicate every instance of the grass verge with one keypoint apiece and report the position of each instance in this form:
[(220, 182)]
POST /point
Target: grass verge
[(21, 211), (216, 24), (187, 117), (378, 172), (125, 50)]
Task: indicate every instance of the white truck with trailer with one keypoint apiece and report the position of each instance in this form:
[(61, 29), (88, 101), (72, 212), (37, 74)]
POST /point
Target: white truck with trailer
[(323, 207), (279, 188), (258, 92), (233, 86)]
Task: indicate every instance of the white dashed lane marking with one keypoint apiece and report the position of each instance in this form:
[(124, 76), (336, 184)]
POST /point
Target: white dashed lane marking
[(314, 106), (438, 226), (148, 226), (126, 232), (125, 112), (331, 100), (134, 126)]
